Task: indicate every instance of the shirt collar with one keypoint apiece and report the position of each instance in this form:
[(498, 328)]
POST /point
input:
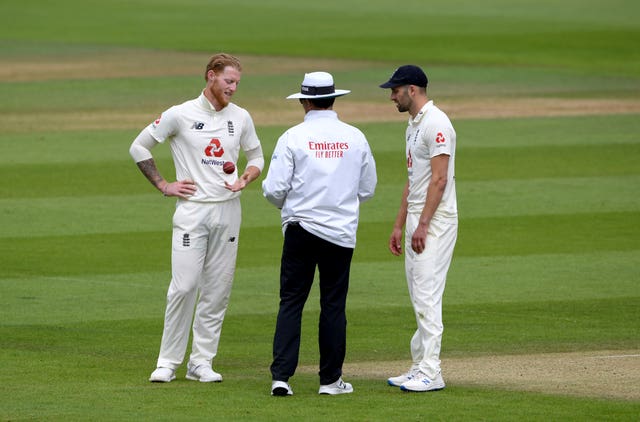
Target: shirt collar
[(422, 112), (203, 101), (317, 114)]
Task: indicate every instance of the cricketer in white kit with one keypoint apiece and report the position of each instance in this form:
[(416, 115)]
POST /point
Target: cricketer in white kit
[(202, 134), (429, 215)]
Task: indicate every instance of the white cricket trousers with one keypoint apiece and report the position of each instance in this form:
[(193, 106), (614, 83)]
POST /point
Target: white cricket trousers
[(203, 261), (426, 277)]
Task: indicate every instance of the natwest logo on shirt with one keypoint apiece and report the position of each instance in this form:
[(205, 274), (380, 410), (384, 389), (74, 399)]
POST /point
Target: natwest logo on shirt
[(440, 138), (214, 149)]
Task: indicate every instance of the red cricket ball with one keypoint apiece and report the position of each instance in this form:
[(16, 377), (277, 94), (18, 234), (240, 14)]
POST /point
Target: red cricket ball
[(228, 167)]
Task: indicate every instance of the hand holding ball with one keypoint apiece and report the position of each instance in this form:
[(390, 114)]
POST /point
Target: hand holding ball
[(228, 167)]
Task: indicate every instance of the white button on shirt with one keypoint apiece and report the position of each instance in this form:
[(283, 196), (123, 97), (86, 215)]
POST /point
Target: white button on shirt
[(320, 172)]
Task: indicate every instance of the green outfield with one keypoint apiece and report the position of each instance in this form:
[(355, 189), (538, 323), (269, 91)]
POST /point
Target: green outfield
[(542, 305)]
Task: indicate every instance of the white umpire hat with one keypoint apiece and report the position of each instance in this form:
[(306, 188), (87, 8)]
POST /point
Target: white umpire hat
[(318, 85)]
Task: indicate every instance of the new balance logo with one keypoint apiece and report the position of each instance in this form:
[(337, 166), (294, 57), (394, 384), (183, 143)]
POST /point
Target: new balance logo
[(232, 239), (197, 125)]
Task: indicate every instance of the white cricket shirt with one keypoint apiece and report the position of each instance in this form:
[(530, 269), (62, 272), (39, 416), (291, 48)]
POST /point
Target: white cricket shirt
[(202, 140), (430, 134), (320, 172)]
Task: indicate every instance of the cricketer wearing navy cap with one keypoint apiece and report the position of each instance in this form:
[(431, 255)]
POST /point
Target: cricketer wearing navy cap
[(428, 219), (407, 75)]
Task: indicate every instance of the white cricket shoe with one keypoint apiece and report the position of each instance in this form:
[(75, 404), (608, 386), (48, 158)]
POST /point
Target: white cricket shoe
[(422, 383), (162, 375), (202, 373), (338, 387), (401, 379), (281, 388)]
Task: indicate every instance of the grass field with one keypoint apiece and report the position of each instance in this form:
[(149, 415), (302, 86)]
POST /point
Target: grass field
[(542, 306)]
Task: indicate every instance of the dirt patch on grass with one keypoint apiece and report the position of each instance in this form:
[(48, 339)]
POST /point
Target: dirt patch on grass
[(604, 374), (611, 374), (349, 111), (493, 108), (118, 63), (97, 65)]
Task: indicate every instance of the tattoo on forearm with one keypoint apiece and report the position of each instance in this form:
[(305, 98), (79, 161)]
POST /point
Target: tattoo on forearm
[(150, 171)]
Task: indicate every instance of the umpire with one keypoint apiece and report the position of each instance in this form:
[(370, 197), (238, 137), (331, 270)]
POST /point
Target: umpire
[(320, 172)]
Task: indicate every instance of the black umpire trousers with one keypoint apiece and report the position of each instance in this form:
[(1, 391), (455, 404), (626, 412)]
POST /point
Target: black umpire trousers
[(301, 253)]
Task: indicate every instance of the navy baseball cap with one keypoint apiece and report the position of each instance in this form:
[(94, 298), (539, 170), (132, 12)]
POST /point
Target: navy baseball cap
[(406, 75)]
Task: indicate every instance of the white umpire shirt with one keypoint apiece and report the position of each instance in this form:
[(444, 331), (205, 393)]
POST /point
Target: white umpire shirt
[(320, 172)]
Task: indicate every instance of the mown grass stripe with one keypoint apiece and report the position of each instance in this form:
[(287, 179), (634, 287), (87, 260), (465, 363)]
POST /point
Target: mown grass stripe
[(76, 215), (507, 236)]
